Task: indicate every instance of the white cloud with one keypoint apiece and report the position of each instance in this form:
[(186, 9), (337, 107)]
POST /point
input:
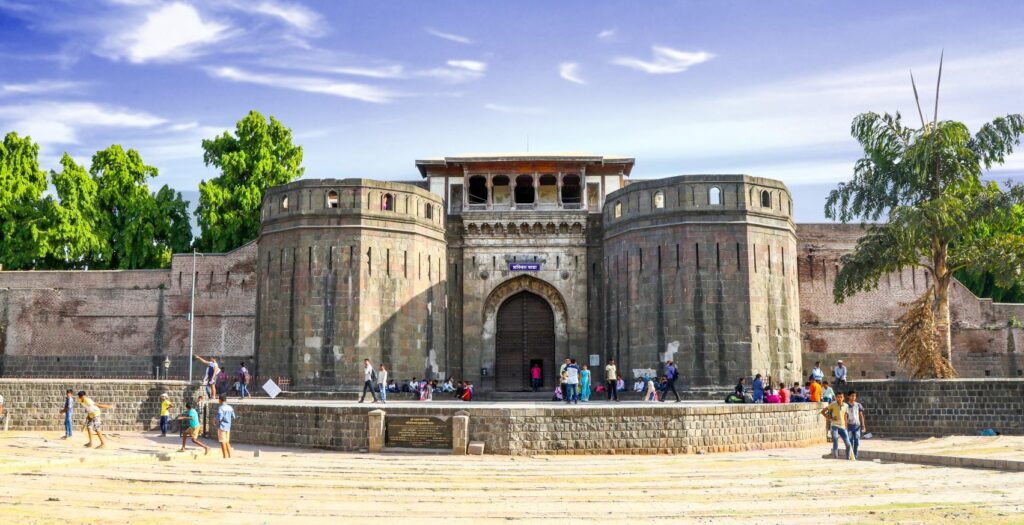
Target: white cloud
[(295, 15), (39, 87), (570, 71), (520, 110), (60, 122), (451, 37), (471, 65), (364, 92), (392, 71), (665, 60), (174, 31), (606, 34)]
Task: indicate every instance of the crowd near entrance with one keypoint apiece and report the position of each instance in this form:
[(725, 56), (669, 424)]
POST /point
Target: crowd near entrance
[(525, 337)]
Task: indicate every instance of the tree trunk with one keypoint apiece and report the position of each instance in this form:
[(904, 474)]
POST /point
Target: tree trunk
[(942, 282)]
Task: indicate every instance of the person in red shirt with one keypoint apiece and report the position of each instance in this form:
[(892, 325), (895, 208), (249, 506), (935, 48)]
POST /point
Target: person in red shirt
[(535, 377), (784, 394)]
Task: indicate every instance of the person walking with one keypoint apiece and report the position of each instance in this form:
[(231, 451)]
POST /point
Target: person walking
[(585, 383), (165, 413), (856, 425), (671, 374), (242, 376), (837, 414), (192, 429), (382, 383), (535, 377), (68, 411), (93, 418), (368, 385), (225, 415), (611, 378)]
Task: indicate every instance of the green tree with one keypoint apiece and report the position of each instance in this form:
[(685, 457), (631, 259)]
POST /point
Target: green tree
[(140, 228), (22, 218), (75, 239), (258, 156), (939, 215)]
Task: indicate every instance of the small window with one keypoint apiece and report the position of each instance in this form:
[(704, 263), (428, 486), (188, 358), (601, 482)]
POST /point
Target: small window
[(766, 199), (659, 200), (715, 196), (387, 202), (428, 211), (618, 210), (284, 203), (332, 199)]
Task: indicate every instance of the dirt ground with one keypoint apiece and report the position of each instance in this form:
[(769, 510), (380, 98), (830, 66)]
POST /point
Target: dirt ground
[(139, 479)]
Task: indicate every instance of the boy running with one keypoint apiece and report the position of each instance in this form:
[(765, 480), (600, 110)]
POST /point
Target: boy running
[(192, 430), (93, 418)]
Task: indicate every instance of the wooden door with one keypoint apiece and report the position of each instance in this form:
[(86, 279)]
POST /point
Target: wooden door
[(526, 333)]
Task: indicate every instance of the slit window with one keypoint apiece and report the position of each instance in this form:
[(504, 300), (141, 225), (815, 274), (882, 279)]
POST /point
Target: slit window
[(618, 210), (715, 196), (659, 200), (284, 203), (766, 199), (387, 202), (332, 199)]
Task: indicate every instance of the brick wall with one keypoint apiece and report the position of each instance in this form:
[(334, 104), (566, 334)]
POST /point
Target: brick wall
[(34, 404), (559, 430), (862, 330), (942, 406), (106, 324)]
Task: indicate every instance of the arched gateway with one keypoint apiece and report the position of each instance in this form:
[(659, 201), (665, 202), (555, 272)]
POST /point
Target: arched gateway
[(524, 322)]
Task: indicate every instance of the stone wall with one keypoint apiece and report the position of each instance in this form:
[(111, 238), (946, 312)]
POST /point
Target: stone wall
[(555, 430), (107, 324), (350, 269), (698, 270), (35, 404), (941, 407), (862, 330)]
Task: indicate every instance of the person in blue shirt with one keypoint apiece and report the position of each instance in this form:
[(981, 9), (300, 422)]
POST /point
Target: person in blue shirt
[(225, 415), (758, 388), (671, 374), (192, 430), (69, 412)]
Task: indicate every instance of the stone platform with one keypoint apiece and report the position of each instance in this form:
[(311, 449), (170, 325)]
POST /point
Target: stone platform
[(527, 428)]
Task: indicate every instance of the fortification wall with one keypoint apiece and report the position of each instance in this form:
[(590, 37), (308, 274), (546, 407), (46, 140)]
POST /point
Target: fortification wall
[(862, 330), (941, 407), (125, 323), (350, 269), (556, 430), (711, 278), (35, 404)]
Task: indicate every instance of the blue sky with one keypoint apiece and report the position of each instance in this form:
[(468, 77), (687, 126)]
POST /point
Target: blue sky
[(764, 88)]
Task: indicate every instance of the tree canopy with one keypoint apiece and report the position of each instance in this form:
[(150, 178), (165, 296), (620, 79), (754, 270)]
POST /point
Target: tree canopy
[(22, 221), (259, 155), (926, 183)]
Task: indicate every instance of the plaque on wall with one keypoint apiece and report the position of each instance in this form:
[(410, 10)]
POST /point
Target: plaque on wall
[(418, 432), (524, 267)]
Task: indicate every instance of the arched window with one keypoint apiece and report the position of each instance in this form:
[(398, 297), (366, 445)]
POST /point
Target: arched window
[(571, 191), (387, 202), (501, 190), (428, 211), (714, 196), (478, 189), (524, 193), (548, 189), (332, 199), (658, 201), (284, 203), (618, 210), (766, 199)]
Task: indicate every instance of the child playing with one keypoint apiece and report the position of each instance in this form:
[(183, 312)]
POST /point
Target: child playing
[(165, 407), (93, 418), (192, 430)]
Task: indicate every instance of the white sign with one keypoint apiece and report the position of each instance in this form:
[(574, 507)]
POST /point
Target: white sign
[(271, 388), (595, 359)]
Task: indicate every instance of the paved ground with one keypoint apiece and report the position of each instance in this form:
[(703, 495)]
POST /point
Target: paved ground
[(43, 480)]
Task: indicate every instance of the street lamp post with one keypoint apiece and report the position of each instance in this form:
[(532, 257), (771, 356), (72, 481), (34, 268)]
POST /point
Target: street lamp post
[(191, 316)]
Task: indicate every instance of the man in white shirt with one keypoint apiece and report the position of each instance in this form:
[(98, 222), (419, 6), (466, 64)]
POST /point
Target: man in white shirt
[(817, 373), (368, 385), (572, 382), (840, 372)]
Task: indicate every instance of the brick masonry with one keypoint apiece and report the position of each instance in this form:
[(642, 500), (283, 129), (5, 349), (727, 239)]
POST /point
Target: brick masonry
[(942, 407), (559, 430), (35, 404)]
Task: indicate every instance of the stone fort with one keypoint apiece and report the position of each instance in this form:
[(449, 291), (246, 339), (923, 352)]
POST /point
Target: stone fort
[(487, 265)]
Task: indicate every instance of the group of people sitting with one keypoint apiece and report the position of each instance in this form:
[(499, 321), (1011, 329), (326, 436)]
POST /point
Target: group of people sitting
[(424, 390), (765, 390)]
